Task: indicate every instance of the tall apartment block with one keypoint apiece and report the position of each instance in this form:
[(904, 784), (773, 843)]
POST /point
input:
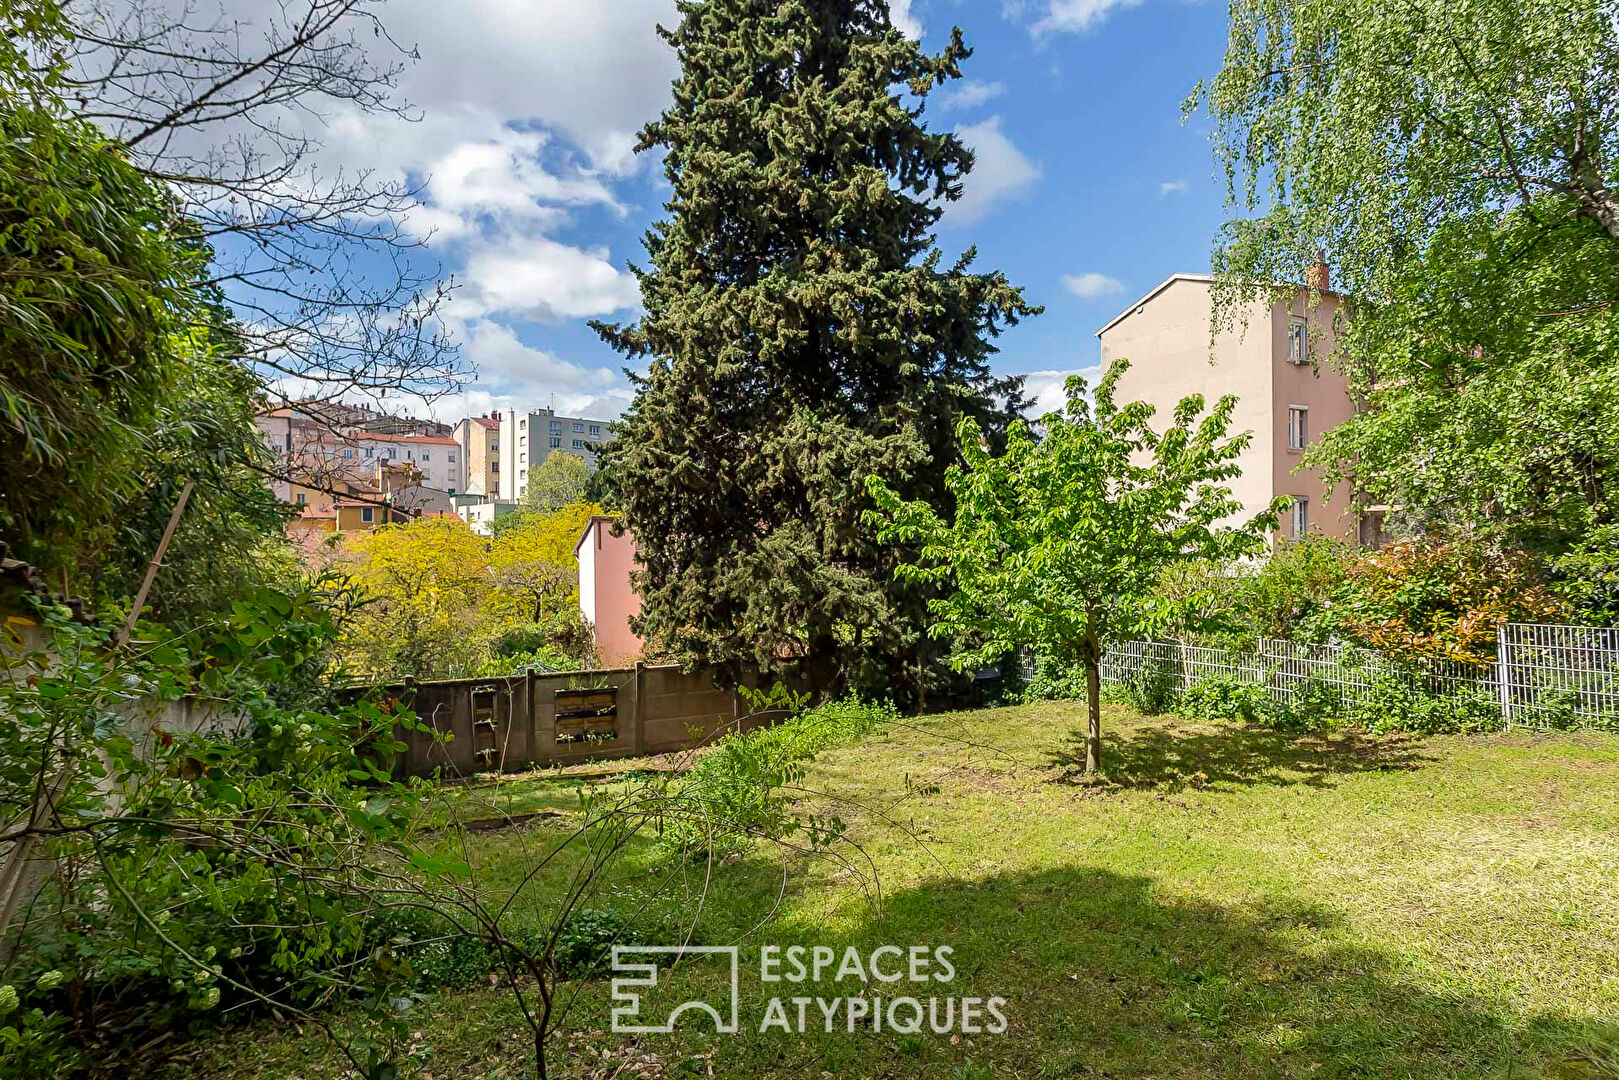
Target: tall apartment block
[(479, 438), (528, 438)]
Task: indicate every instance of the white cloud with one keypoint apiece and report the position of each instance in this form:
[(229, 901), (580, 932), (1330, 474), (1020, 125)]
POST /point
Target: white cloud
[(968, 94), (1092, 285), (1000, 172), (1049, 389), (503, 358), (900, 13), (1172, 187), (539, 278), (1076, 16)]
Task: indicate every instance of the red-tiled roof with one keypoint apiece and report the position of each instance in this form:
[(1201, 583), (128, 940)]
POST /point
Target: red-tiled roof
[(486, 422)]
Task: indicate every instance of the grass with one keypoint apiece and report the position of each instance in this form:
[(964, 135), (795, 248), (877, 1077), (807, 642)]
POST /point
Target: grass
[(1229, 903)]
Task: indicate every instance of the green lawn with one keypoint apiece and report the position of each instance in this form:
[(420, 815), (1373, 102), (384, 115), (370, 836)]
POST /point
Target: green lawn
[(1232, 902)]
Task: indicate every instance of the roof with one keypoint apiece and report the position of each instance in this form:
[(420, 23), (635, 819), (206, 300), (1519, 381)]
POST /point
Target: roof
[(486, 422), (595, 520), (435, 440), (1207, 279)]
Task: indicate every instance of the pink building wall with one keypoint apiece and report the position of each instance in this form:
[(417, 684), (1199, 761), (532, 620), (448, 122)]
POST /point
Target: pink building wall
[(605, 597)]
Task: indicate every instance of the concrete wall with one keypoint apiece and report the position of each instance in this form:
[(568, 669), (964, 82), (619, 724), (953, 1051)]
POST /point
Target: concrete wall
[(511, 724)]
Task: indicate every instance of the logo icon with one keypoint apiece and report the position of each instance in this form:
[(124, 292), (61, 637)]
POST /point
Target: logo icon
[(646, 975)]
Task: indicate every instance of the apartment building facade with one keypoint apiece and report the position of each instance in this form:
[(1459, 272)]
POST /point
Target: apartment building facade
[(528, 438), (1276, 359), (307, 446), (479, 439)]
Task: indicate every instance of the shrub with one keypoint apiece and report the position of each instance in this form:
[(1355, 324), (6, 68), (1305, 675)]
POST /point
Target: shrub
[(1290, 595), (1441, 599), (1152, 688), (1588, 578), (585, 945), (1398, 704), (1225, 697), (736, 791), (1054, 681)]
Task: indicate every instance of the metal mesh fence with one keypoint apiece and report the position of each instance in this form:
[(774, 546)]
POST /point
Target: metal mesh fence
[(1543, 676), (1551, 675)]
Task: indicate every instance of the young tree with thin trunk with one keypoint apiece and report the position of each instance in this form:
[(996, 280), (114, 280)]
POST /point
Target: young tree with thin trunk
[(1059, 542)]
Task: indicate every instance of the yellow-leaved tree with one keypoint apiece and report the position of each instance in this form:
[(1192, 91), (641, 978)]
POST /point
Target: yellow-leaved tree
[(426, 583)]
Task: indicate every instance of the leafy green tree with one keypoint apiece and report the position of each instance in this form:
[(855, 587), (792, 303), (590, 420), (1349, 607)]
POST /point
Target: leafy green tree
[(1457, 164), (800, 334), (560, 480), (96, 295), (1060, 542)]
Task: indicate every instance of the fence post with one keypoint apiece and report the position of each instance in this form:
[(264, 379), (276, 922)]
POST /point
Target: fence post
[(1503, 672), (639, 717)]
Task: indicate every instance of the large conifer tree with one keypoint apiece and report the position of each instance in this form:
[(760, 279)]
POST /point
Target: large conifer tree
[(800, 334)]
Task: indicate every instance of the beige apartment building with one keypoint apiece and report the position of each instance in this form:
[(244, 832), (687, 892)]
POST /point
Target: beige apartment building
[(479, 438), (1277, 365), (528, 438)]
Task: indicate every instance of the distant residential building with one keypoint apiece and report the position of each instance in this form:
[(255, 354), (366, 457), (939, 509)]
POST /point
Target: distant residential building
[(479, 439), (606, 599), (528, 438), (328, 506), (1276, 359), (307, 446), (481, 513)]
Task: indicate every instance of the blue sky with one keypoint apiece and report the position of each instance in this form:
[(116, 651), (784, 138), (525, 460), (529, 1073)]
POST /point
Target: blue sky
[(1089, 189)]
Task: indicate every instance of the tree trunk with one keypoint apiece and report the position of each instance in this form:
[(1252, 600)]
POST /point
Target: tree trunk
[(1597, 200), (539, 1055), (1093, 701)]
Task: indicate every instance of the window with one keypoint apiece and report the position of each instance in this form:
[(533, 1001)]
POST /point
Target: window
[(578, 444), (452, 457), (494, 468), (426, 456), (302, 498), (348, 453), (368, 514), (556, 426), (523, 423), (289, 442), (1298, 427), (579, 428), (522, 440), (595, 431), (556, 442), (522, 474), (1298, 342), (1301, 516), (370, 452)]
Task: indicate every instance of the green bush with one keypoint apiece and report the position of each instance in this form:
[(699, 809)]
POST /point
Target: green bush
[(1153, 688), (433, 952), (1054, 681), (585, 945), (1225, 697), (737, 790)]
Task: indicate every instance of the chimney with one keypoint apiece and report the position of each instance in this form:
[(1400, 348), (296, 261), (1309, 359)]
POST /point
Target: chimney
[(1319, 276)]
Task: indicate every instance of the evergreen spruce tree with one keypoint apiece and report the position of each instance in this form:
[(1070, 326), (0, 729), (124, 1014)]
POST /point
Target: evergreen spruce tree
[(801, 333)]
